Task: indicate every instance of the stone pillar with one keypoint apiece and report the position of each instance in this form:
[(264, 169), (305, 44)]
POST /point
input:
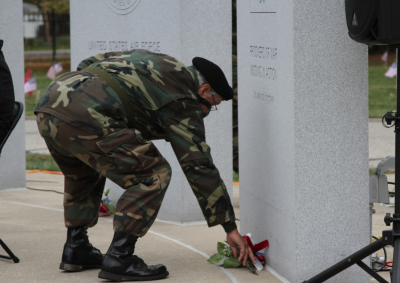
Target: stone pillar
[(12, 160), (180, 28), (303, 135)]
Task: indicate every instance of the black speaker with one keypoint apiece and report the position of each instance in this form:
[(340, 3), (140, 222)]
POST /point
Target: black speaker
[(374, 22)]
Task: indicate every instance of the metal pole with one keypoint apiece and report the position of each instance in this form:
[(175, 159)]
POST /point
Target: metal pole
[(396, 224), (53, 25)]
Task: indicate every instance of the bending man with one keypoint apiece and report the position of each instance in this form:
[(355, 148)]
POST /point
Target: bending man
[(98, 123)]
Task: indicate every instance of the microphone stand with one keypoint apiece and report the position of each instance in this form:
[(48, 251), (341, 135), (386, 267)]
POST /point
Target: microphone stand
[(10, 253)]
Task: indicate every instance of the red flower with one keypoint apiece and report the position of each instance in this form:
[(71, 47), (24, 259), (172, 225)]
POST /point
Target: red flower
[(103, 211)]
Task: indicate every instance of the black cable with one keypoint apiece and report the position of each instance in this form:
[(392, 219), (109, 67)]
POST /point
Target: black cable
[(383, 264), (45, 190)]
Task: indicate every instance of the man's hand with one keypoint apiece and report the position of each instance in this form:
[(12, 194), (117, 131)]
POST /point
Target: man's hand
[(235, 240)]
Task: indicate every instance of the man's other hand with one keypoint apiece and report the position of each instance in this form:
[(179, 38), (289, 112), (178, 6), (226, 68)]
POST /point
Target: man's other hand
[(235, 240)]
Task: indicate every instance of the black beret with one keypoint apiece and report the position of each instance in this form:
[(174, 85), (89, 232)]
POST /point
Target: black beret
[(214, 76)]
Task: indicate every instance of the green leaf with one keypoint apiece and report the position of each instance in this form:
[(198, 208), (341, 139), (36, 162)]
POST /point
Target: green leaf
[(110, 207), (217, 259), (231, 262), (221, 247)]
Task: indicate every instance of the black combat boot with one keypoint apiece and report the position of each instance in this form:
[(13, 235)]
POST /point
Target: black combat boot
[(78, 253), (119, 264)]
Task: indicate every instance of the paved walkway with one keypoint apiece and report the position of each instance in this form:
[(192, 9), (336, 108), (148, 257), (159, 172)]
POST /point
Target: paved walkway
[(32, 226), (381, 142), (34, 143)]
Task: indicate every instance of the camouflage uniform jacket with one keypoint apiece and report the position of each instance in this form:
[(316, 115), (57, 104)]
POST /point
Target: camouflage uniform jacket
[(166, 104)]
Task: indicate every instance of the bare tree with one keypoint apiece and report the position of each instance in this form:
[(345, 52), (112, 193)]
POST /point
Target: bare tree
[(45, 6)]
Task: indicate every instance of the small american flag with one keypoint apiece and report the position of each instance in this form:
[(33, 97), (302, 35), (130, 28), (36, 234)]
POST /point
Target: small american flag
[(51, 73), (58, 68), (30, 85), (54, 70), (385, 56), (392, 72)]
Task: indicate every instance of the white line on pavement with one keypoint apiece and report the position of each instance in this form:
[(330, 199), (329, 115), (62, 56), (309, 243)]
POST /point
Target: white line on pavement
[(32, 205), (276, 274), (183, 224), (227, 272), (13, 190)]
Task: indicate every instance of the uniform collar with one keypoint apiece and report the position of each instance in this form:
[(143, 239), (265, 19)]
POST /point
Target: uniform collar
[(205, 102), (193, 72)]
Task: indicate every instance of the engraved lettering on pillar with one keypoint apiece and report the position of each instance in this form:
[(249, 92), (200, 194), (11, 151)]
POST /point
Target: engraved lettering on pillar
[(123, 45), (263, 56)]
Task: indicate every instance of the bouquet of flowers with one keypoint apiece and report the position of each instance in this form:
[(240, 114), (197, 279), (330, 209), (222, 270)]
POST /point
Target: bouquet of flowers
[(226, 258), (106, 208)]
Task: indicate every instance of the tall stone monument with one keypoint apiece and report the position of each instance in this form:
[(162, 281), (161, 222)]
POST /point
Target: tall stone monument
[(180, 28), (303, 135), (12, 160)]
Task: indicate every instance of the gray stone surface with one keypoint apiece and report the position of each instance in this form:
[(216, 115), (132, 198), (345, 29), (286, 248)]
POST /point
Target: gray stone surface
[(304, 159), (12, 161), (180, 28)]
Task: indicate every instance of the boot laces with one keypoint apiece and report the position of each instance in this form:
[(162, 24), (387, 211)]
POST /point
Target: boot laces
[(87, 239)]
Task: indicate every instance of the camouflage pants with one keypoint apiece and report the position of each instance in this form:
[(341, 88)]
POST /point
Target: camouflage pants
[(86, 161)]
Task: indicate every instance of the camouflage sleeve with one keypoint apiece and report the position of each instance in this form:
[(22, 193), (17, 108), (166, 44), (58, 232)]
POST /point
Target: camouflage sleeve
[(98, 58), (89, 61), (185, 131)]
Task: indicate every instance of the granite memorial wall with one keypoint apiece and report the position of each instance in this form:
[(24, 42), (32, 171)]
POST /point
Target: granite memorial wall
[(180, 28), (303, 135), (12, 160)]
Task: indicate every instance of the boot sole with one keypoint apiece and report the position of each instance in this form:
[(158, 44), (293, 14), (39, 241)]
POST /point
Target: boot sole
[(118, 278), (77, 268)]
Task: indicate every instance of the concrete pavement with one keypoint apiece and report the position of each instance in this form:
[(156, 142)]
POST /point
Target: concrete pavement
[(34, 143), (381, 142), (31, 224)]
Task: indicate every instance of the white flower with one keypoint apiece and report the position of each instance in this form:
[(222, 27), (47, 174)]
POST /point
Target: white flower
[(228, 251)]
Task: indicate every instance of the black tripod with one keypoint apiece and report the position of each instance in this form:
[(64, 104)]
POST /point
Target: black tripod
[(389, 237), (9, 252)]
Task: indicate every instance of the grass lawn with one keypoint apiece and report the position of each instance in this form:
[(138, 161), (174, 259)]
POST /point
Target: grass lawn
[(41, 162), (235, 176), (382, 91), (62, 42)]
